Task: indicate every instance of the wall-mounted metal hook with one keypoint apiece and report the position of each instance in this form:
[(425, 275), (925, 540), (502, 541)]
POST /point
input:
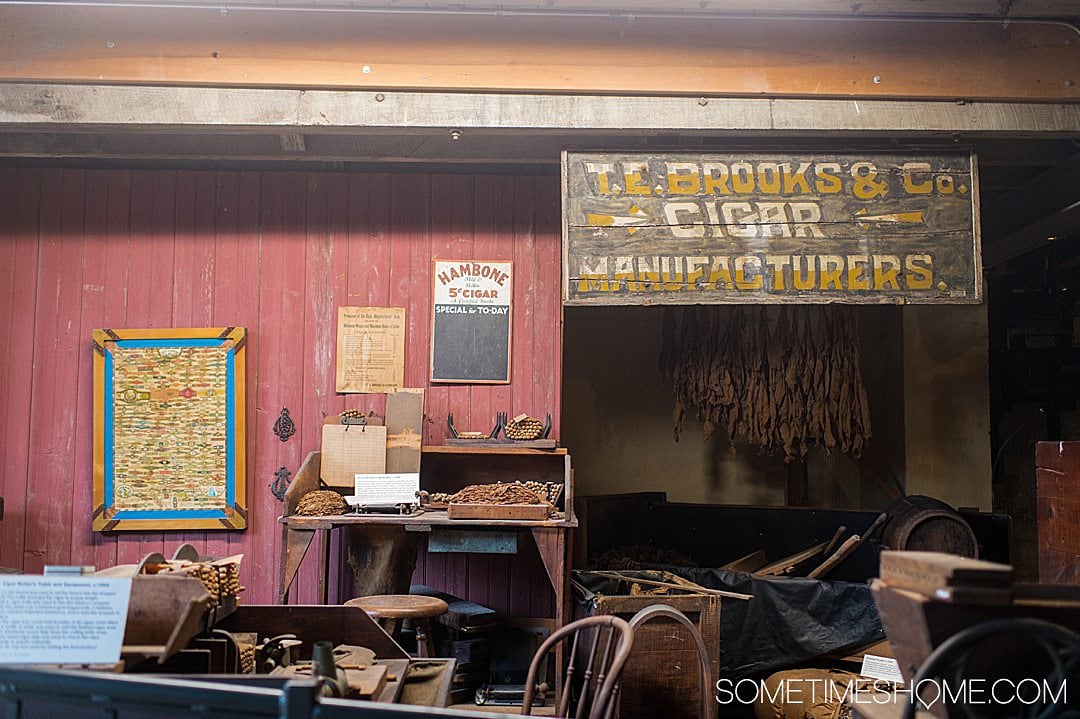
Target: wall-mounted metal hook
[(280, 484), (284, 427)]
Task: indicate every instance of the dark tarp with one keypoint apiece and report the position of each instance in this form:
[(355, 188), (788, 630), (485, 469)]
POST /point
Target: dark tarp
[(790, 620)]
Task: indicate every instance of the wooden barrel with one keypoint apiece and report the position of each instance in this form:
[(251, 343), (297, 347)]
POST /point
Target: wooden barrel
[(925, 524)]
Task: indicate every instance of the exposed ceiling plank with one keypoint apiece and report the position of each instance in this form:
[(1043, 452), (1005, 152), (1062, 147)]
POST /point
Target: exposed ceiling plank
[(1037, 200), (1003, 177), (635, 54), (864, 8), (1059, 225), (263, 147), (25, 107), (1031, 155)]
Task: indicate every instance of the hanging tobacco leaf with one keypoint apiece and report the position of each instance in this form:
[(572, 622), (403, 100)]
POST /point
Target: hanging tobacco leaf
[(782, 378)]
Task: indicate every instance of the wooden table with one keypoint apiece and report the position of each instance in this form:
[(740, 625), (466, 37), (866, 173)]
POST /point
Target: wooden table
[(552, 537)]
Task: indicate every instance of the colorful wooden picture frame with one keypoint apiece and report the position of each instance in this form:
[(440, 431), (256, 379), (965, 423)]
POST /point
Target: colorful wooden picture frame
[(169, 429)]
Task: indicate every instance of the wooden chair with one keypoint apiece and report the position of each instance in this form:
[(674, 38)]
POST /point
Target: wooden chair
[(599, 647)]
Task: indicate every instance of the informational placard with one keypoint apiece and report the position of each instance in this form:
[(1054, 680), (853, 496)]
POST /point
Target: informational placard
[(884, 668), (62, 620), (471, 321), (770, 227), (385, 489), (370, 349)]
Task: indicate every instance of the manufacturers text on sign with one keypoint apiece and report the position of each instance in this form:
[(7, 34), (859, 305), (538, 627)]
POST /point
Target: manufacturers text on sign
[(642, 229)]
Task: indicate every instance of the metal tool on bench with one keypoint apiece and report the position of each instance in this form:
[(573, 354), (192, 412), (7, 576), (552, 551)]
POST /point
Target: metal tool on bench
[(504, 695), (331, 677), (404, 509), (275, 652)]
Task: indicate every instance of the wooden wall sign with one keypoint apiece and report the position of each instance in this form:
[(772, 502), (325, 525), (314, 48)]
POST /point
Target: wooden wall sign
[(169, 429), (471, 321), (752, 227)]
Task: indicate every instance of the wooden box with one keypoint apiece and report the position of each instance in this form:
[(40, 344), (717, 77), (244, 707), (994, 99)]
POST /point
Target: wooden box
[(662, 679), (1058, 487), (535, 512)]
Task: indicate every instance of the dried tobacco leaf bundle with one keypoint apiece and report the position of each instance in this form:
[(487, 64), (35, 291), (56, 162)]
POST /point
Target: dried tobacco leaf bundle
[(498, 494), (321, 503), (781, 378)]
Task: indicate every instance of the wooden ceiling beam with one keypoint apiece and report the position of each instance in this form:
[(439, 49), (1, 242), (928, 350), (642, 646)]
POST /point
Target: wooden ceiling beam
[(1045, 209), (1057, 226), (1040, 197), (74, 108), (244, 46), (781, 8), (1027, 155)]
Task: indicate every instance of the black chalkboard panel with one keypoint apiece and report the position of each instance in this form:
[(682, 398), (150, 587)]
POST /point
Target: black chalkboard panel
[(471, 322)]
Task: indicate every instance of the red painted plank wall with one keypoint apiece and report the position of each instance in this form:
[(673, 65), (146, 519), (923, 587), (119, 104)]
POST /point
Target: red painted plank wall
[(276, 252)]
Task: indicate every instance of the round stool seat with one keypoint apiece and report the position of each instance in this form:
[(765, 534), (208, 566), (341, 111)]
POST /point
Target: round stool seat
[(391, 608), (400, 606)]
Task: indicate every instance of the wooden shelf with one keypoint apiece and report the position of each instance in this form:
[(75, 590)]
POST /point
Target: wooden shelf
[(419, 521), (449, 468), (489, 449)]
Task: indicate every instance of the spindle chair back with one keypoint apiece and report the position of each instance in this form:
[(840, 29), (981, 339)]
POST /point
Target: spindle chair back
[(598, 649)]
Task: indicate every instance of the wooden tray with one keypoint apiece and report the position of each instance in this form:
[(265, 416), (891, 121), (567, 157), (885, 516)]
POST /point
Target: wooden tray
[(527, 443), (498, 511)]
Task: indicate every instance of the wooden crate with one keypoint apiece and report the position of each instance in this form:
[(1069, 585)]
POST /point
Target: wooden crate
[(535, 512), (1058, 502), (662, 680)]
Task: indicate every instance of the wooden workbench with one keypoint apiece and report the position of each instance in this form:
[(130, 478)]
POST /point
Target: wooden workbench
[(392, 536)]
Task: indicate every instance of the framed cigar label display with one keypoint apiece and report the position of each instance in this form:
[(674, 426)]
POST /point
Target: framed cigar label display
[(169, 429)]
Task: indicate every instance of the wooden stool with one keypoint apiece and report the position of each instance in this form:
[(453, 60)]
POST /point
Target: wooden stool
[(394, 607)]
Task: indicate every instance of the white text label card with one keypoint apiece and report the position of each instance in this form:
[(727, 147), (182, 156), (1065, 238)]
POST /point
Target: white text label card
[(386, 488), (62, 620)]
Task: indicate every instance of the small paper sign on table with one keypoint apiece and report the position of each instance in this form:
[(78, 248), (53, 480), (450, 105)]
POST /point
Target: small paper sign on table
[(62, 620), (884, 668), (385, 489)]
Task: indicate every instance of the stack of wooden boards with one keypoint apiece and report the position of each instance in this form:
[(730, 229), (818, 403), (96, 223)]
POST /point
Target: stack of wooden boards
[(948, 578), (923, 598)]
